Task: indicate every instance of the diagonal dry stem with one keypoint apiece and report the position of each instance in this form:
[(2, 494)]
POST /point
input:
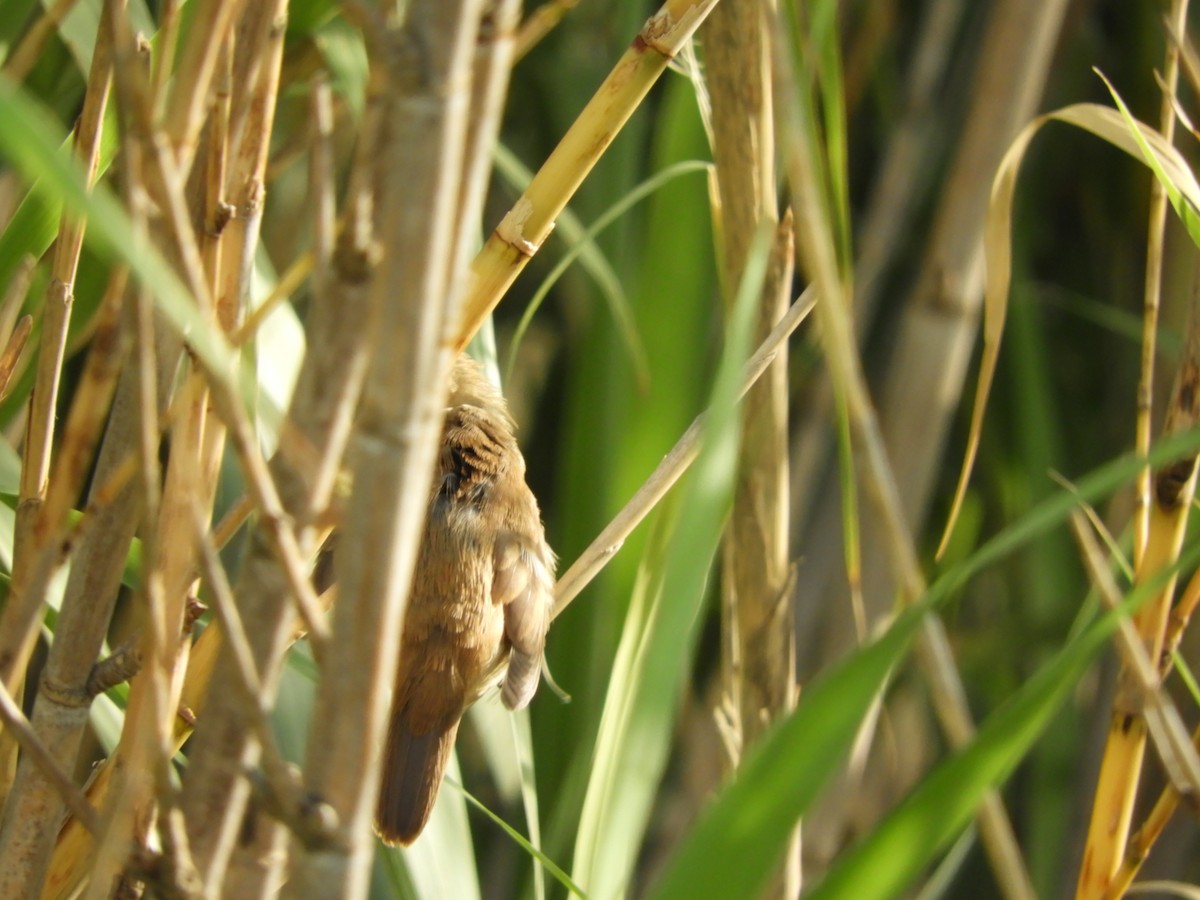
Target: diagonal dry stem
[(606, 544), (521, 232)]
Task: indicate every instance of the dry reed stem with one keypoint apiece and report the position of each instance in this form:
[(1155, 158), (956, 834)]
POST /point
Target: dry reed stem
[(539, 23), (14, 349), (1124, 751), (163, 685), (1152, 291), (1141, 841), (1125, 748), (322, 407), (492, 61), (1177, 621), (817, 253), (18, 622), (34, 803), (22, 731), (888, 212), (1157, 534), (136, 746), (60, 712), (758, 626), (1175, 749), (394, 445), (149, 721), (185, 111), (523, 229), (933, 350)]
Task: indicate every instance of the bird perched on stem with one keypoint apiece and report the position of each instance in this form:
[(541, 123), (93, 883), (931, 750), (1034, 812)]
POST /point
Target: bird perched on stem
[(480, 602)]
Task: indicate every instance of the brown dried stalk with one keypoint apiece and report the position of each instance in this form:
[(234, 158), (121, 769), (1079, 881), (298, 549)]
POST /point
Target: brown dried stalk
[(319, 421), (758, 647), (393, 449)]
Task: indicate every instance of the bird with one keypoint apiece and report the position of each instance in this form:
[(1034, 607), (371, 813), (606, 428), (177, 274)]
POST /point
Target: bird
[(480, 603)]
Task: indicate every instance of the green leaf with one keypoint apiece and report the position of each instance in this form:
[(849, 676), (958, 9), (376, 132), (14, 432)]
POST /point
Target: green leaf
[(660, 630), (935, 814), (732, 850), (750, 820)]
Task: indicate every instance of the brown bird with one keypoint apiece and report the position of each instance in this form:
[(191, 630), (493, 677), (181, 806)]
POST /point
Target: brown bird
[(480, 602)]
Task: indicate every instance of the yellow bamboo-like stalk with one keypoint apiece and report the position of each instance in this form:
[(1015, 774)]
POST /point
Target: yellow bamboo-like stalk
[(1125, 747), (1140, 842), (523, 229), (1158, 529)]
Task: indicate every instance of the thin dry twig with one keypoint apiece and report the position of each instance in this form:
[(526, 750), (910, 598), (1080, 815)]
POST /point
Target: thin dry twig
[(606, 544)]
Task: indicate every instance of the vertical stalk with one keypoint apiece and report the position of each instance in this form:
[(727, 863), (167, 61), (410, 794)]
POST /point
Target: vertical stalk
[(392, 453), (758, 648), (1158, 526), (33, 806), (215, 793)]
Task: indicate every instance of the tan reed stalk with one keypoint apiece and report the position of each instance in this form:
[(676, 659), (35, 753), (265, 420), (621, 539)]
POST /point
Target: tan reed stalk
[(393, 448), (319, 419), (758, 628), (606, 544), (33, 802), (19, 617)]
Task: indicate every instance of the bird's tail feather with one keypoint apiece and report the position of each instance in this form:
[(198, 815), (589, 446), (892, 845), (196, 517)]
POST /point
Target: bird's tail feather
[(413, 765)]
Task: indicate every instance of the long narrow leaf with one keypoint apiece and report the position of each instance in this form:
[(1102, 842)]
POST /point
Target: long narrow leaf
[(660, 631), (733, 848)]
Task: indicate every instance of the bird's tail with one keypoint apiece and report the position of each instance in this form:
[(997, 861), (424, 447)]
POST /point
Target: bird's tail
[(413, 765)]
